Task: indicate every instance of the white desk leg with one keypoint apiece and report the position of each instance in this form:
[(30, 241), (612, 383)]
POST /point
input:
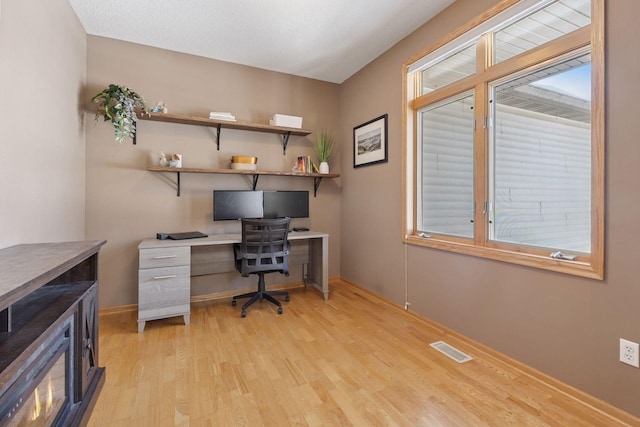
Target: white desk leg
[(325, 267), (318, 271)]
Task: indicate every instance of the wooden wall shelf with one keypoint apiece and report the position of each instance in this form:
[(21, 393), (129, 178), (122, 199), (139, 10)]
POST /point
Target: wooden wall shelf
[(223, 124), (317, 177)]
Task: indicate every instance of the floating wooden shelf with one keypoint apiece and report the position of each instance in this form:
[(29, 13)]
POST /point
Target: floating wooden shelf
[(223, 124), (317, 177)]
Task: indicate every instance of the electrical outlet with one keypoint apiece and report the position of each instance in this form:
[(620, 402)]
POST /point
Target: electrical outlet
[(629, 353)]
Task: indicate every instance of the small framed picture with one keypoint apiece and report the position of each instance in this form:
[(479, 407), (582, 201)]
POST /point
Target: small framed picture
[(370, 142)]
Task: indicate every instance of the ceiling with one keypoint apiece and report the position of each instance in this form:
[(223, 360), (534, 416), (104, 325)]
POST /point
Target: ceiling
[(328, 40)]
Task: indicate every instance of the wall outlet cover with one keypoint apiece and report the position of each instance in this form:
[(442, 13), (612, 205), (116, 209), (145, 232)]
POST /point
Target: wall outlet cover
[(629, 353)]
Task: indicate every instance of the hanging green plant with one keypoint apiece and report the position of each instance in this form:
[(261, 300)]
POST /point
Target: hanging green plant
[(118, 104)]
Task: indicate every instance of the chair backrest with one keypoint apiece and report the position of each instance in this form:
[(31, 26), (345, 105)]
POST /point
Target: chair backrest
[(264, 246)]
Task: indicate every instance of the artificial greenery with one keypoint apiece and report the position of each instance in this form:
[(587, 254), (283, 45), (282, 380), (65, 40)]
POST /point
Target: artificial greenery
[(323, 146), (118, 104)]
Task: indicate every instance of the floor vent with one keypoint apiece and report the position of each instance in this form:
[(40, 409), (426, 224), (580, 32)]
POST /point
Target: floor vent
[(451, 352)]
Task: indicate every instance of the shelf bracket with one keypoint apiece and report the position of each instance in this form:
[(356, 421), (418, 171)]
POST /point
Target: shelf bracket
[(218, 135), (316, 184), (285, 141), (178, 184), (255, 181), (134, 138)]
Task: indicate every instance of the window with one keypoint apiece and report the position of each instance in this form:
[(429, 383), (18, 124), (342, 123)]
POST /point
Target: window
[(446, 166), (505, 138), (454, 67)]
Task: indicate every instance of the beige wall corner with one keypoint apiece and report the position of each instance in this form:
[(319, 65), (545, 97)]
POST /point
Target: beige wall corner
[(42, 71)]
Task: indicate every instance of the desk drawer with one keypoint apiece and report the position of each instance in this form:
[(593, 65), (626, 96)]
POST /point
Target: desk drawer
[(165, 257), (163, 292)]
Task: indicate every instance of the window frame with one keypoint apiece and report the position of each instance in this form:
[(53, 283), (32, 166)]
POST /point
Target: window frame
[(590, 265)]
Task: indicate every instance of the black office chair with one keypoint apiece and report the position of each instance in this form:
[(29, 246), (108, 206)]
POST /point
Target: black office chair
[(264, 249)]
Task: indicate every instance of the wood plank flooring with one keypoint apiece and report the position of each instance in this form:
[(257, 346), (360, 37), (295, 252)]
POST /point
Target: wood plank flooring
[(355, 360)]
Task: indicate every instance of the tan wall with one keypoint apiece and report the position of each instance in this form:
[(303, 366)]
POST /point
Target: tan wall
[(566, 326), (125, 203), (42, 150)]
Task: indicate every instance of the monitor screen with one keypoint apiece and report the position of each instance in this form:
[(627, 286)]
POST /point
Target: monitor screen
[(280, 204), (236, 204)]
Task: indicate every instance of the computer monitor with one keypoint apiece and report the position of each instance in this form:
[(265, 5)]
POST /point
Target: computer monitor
[(237, 204), (280, 204)]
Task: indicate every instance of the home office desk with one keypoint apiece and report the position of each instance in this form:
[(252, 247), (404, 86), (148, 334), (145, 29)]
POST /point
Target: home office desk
[(166, 268)]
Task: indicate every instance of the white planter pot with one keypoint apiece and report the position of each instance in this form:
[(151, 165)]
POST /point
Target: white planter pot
[(324, 167)]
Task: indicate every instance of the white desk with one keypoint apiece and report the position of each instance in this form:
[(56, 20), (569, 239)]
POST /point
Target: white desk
[(166, 268)]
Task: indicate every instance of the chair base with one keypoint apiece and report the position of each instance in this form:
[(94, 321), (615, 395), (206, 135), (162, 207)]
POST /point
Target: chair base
[(261, 294)]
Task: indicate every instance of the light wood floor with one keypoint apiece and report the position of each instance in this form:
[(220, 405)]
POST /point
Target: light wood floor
[(355, 360)]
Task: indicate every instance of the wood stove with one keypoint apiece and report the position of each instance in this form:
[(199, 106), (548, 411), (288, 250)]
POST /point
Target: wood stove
[(49, 374)]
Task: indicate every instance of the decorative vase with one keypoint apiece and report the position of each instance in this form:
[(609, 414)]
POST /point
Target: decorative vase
[(324, 167)]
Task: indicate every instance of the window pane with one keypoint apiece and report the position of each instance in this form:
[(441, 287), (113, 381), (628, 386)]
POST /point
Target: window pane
[(541, 189), (449, 70), (549, 23), (446, 204)]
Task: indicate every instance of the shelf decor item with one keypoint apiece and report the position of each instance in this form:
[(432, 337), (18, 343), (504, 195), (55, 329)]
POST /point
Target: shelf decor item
[(323, 147), (118, 104), (370, 142), (244, 162)]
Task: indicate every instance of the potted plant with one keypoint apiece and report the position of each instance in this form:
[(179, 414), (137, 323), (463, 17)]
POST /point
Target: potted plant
[(323, 147), (118, 104)]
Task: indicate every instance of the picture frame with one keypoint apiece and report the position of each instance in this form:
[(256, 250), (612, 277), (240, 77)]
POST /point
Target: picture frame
[(370, 142)]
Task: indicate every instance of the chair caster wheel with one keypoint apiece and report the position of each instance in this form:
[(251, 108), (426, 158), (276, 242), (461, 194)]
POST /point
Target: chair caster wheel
[(287, 298), (279, 310), (243, 314), (233, 303)]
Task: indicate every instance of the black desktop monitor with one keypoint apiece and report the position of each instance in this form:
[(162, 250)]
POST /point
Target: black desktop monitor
[(280, 204), (236, 204)]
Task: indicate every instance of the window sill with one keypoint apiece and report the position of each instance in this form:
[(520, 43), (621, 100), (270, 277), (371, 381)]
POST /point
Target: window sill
[(576, 268)]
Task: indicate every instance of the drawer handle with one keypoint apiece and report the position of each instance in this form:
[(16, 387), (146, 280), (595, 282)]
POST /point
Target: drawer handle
[(171, 276), (164, 256)]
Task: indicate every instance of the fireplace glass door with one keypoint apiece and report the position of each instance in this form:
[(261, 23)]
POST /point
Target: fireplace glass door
[(45, 403), (41, 395)]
